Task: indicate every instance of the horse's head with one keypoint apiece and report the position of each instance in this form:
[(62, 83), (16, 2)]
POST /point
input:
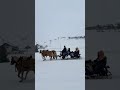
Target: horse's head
[(21, 58), (12, 61), (29, 57), (40, 51)]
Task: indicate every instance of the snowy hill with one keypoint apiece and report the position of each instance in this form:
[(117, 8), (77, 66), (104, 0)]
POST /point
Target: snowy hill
[(69, 43), (61, 74), (10, 81), (107, 41)]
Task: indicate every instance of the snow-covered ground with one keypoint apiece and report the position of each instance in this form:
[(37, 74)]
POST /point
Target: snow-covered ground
[(61, 74), (107, 41), (10, 81)]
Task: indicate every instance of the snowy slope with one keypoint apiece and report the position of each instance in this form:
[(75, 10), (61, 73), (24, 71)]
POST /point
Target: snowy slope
[(61, 74), (10, 81), (107, 41), (69, 43)]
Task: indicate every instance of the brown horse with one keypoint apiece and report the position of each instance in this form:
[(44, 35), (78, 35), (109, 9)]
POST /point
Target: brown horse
[(52, 54), (14, 60), (23, 64)]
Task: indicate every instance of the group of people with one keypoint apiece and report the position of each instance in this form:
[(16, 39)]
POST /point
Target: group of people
[(96, 66), (73, 54)]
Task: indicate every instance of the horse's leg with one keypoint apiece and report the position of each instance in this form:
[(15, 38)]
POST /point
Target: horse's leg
[(50, 57), (56, 57), (53, 57), (44, 58), (22, 73), (15, 68), (19, 73), (26, 74)]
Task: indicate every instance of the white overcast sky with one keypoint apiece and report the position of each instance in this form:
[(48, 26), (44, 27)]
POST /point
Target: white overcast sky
[(56, 18)]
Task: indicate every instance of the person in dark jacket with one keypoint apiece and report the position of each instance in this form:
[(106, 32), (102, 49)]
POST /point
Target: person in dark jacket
[(68, 51), (64, 49), (100, 63), (64, 52), (97, 66), (77, 53)]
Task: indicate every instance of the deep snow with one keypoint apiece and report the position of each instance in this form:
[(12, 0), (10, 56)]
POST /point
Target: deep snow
[(61, 74), (10, 81), (107, 41)]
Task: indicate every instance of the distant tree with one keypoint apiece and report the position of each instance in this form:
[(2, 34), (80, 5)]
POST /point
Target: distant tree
[(68, 37), (27, 47), (117, 25), (99, 28)]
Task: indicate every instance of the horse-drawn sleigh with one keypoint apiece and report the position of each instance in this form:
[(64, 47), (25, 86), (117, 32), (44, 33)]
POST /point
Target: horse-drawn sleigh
[(64, 54), (98, 68)]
